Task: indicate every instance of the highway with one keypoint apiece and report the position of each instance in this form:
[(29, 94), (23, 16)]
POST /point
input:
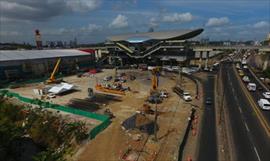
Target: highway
[(208, 143), (258, 94), (251, 142)]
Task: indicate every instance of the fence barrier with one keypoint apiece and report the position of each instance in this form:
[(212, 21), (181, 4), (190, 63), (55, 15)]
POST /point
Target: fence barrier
[(184, 141), (105, 120)]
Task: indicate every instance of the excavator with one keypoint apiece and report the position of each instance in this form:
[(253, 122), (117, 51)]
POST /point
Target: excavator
[(52, 77)]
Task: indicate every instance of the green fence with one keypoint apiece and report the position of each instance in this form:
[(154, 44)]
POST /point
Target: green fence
[(105, 120)]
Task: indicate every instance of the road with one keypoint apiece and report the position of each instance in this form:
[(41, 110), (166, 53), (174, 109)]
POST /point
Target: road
[(249, 137), (208, 143), (258, 93)]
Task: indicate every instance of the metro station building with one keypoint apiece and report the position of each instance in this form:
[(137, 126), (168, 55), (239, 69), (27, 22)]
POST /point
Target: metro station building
[(157, 48)]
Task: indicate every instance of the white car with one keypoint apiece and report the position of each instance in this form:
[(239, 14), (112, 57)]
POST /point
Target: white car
[(266, 95), (245, 67), (264, 104), (251, 87), (186, 96), (163, 94), (246, 79)]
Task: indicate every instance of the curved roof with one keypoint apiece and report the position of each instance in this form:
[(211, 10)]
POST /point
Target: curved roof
[(164, 35)]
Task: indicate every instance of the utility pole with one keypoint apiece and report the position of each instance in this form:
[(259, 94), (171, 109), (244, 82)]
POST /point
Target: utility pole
[(155, 126), (179, 75)]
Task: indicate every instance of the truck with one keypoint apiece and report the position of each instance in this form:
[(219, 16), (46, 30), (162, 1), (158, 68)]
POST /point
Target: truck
[(264, 104)]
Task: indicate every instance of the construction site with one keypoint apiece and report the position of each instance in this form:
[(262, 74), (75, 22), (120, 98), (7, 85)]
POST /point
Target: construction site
[(129, 112)]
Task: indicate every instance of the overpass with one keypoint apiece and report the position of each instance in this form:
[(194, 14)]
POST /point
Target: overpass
[(203, 48), (231, 47)]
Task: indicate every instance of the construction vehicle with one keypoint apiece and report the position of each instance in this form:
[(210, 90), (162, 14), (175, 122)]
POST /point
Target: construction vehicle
[(52, 77), (108, 90), (155, 73)]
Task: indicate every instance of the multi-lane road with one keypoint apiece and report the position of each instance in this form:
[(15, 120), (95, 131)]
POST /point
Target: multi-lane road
[(258, 94), (250, 139)]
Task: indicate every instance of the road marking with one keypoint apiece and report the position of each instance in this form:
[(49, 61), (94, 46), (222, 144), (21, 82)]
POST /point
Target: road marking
[(255, 149), (240, 109), (233, 91), (247, 127)]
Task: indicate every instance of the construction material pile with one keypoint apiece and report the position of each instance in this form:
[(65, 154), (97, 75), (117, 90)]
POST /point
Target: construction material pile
[(141, 122)]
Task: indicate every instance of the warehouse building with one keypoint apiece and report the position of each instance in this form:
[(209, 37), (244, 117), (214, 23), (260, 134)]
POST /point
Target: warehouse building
[(31, 64)]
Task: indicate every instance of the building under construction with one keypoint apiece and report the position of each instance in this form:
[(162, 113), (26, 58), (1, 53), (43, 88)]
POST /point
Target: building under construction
[(31, 64)]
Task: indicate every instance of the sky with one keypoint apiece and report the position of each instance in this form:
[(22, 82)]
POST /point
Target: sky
[(91, 21)]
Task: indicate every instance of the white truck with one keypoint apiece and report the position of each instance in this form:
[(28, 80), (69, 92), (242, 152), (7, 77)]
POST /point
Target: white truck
[(264, 104), (251, 87)]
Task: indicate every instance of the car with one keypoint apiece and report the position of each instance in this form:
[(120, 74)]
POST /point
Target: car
[(238, 66), (251, 87), (108, 78), (246, 79), (154, 99), (206, 69), (208, 101), (163, 94), (186, 96), (266, 95), (264, 104), (241, 73), (122, 80)]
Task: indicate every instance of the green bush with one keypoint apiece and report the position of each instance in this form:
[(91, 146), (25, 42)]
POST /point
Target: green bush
[(266, 73)]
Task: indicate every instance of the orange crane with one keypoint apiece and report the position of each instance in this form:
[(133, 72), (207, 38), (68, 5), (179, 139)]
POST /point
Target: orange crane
[(52, 77)]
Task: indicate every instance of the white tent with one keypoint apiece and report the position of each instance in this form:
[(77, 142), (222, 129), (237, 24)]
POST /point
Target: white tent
[(60, 88)]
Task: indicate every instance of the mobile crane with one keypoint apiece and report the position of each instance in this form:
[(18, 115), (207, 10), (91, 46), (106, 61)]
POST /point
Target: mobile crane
[(52, 77)]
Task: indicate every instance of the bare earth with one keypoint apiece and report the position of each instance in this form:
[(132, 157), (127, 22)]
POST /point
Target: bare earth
[(111, 143)]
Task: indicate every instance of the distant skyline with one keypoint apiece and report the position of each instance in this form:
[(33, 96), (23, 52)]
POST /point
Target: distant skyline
[(91, 21)]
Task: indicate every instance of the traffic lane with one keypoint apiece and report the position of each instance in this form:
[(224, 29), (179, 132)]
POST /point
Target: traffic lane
[(243, 147), (208, 144), (258, 95), (255, 131)]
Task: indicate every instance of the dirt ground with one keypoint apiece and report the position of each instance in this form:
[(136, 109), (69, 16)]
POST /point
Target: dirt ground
[(111, 143)]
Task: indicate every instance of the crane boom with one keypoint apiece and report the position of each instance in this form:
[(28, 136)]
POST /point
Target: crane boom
[(52, 77), (155, 79)]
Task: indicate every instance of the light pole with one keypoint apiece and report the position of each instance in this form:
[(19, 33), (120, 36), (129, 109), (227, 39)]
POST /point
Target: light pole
[(155, 125)]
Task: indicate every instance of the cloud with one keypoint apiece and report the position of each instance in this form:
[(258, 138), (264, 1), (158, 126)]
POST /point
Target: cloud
[(91, 28), (123, 4), (40, 10), (83, 5), (153, 22), (261, 24), (9, 33), (217, 21), (178, 17), (120, 21)]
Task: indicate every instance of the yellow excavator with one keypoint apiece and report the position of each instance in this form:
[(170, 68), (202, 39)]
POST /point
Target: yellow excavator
[(52, 77)]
